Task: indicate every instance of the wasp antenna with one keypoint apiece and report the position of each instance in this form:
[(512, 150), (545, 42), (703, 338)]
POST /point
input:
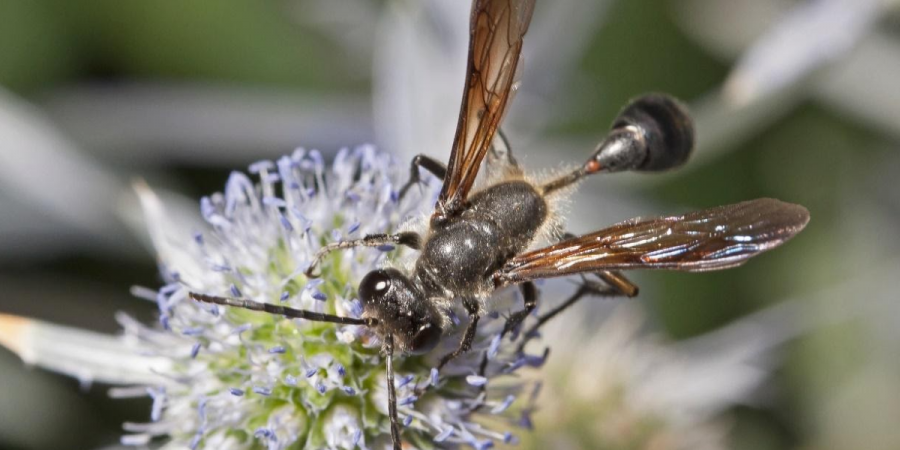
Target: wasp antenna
[(281, 310)]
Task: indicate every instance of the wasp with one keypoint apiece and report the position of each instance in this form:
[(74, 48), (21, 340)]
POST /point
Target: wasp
[(481, 240)]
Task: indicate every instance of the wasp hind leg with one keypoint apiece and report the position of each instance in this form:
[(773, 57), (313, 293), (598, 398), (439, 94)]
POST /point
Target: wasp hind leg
[(529, 297), (613, 284)]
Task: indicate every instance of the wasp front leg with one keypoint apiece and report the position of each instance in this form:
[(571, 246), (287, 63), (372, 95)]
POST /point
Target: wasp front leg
[(408, 239)]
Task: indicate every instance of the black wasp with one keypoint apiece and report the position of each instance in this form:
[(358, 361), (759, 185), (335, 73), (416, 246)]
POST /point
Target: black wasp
[(477, 242)]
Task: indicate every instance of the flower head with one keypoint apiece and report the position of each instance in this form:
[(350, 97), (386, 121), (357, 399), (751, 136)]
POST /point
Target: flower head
[(242, 378)]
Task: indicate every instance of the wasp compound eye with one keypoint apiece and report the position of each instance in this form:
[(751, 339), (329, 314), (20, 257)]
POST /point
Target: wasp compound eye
[(425, 339), (374, 287)]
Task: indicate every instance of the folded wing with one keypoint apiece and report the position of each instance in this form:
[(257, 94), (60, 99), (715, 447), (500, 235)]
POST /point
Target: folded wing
[(497, 28), (712, 239)]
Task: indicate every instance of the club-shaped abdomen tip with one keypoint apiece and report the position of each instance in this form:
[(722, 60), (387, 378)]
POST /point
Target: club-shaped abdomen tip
[(666, 127)]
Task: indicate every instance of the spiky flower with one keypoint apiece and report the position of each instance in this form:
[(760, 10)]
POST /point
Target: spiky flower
[(246, 379)]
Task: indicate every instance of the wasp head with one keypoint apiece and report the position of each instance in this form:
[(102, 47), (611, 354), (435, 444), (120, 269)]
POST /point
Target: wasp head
[(401, 310)]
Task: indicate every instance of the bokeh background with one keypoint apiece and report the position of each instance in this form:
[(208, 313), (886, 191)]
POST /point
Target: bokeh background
[(798, 100)]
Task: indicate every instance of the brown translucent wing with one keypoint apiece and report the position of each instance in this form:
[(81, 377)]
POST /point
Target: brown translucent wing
[(497, 28), (712, 239)]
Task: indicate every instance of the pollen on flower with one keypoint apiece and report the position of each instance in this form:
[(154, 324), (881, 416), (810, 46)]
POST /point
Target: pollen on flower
[(263, 380)]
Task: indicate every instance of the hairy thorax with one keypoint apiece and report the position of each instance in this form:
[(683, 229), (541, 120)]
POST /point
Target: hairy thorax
[(460, 255)]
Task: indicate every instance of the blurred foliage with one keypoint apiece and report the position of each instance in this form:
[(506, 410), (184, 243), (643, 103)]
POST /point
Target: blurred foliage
[(640, 50), (49, 42), (34, 48)]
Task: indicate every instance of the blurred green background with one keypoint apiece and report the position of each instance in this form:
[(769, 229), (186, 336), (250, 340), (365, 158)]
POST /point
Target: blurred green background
[(95, 93)]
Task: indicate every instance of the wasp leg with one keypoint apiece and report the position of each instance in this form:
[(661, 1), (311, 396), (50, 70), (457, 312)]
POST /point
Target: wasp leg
[(623, 286), (614, 285), (529, 296), (616, 280), (500, 157), (428, 163), (466, 343), (409, 239), (392, 392)]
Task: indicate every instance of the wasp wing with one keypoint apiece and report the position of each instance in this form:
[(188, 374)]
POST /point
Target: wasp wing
[(495, 43), (712, 239)]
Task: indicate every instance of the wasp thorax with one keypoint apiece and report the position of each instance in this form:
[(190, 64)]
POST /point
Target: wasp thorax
[(401, 310)]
